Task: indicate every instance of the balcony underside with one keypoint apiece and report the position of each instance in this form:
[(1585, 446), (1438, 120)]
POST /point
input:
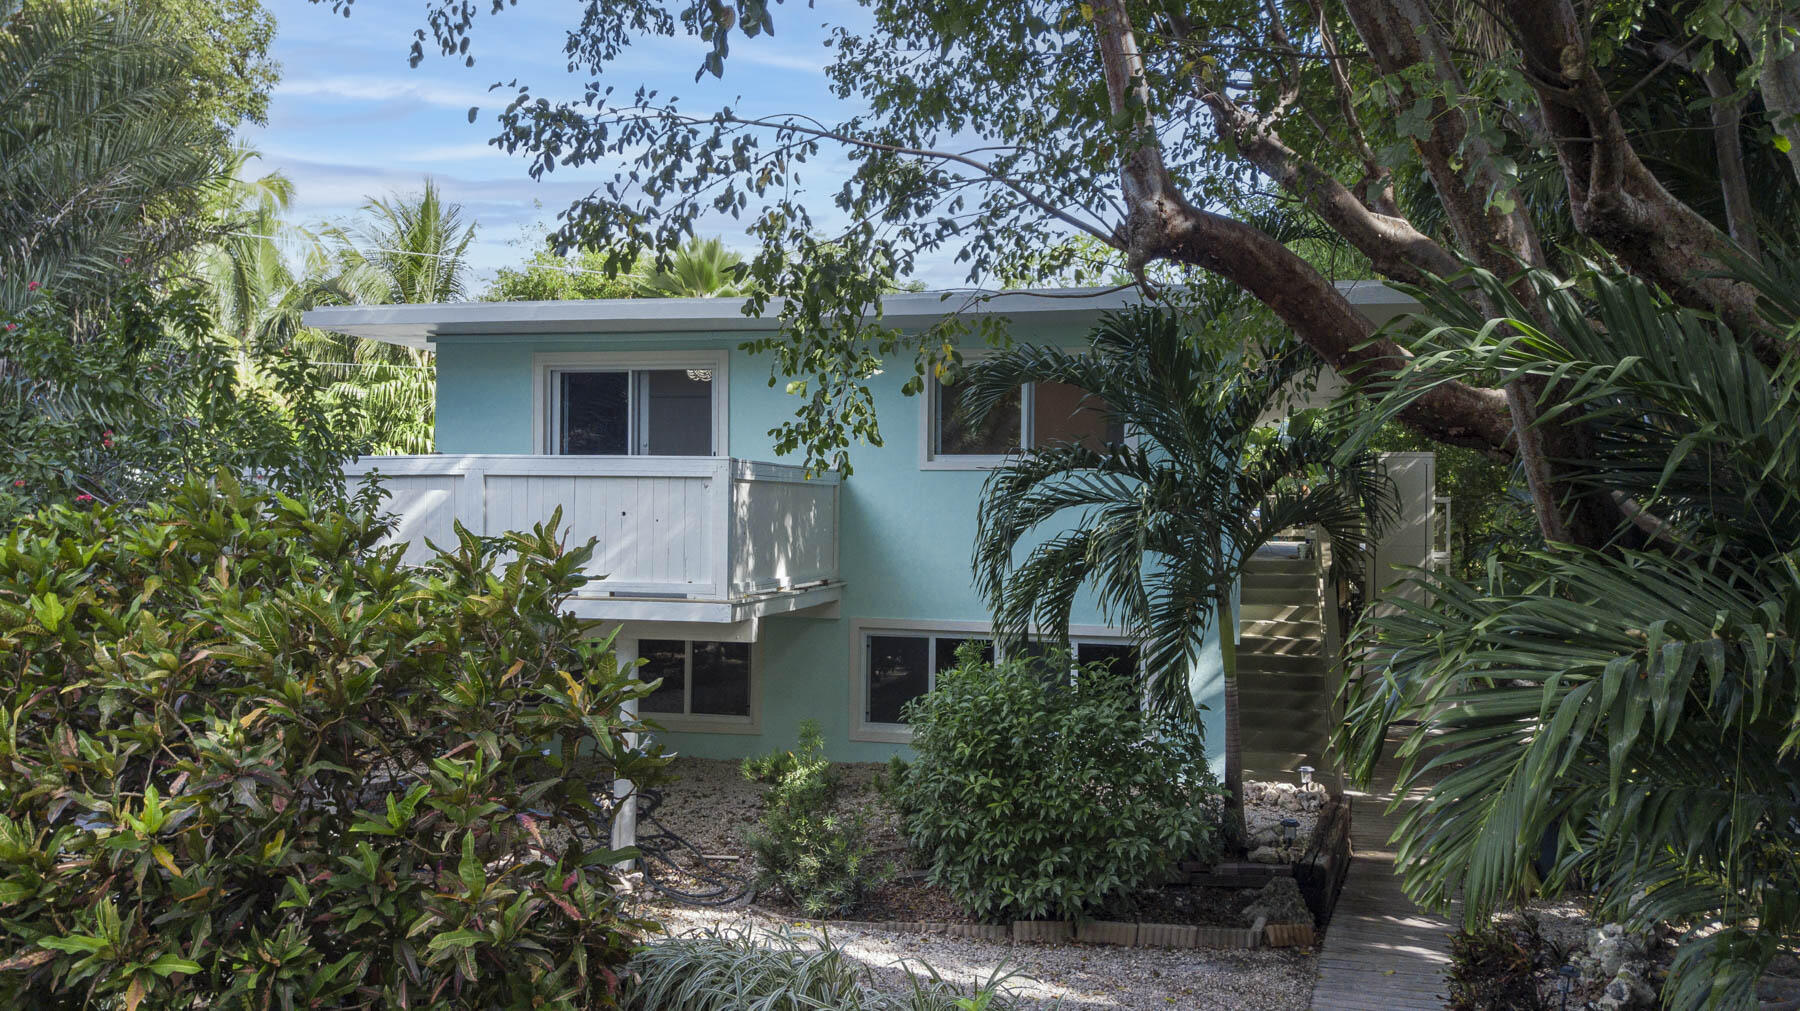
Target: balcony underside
[(817, 600)]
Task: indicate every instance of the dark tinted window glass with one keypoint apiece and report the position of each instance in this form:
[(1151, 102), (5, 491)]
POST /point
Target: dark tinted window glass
[(947, 647), (666, 659), (956, 437), (897, 674), (722, 678), (1120, 658), (678, 412), (595, 414)]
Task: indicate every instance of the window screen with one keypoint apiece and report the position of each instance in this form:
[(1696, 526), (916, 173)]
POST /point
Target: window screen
[(677, 414), (666, 659), (1064, 413), (721, 679), (1037, 414)]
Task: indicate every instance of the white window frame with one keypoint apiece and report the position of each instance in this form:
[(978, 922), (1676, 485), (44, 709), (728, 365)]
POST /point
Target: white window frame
[(546, 367), (687, 721), (931, 459), (861, 729)]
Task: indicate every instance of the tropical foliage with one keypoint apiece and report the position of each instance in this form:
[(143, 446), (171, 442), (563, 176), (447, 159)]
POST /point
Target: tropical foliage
[(409, 248), (402, 248), (698, 268), (1045, 792), (1160, 527), (152, 399), (1633, 711), (109, 158), (252, 760)]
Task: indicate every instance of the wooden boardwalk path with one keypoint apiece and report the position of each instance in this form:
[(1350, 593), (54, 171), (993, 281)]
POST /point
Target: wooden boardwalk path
[(1380, 952)]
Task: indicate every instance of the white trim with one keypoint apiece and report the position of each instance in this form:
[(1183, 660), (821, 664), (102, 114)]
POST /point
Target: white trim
[(703, 723), (418, 325), (861, 628), (545, 364)]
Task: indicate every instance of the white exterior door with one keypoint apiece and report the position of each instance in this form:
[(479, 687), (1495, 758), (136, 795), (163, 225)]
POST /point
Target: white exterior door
[(1408, 543)]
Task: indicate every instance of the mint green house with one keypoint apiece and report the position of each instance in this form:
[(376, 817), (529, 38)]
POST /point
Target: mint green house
[(760, 596)]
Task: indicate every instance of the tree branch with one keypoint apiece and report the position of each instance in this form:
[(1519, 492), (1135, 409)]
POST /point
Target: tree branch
[(1163, 224), (1614, 199)]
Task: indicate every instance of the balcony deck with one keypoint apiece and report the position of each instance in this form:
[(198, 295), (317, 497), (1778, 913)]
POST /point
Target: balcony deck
[(712, 540)]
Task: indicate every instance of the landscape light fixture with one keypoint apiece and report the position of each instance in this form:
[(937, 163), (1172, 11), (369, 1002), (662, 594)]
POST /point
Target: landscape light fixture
[(1306, 772), (1290, 829)]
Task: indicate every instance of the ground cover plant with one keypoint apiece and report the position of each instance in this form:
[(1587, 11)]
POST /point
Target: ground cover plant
[(1038, 796), (247, 758), (818, 857), (741, 970)]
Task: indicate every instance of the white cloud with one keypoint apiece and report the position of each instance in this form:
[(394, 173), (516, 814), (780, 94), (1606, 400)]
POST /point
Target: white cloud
[(453, 152), (810, 61), (382, 88)]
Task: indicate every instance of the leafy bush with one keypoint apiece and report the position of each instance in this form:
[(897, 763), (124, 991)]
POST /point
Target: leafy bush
[(153, 399), (818, 857), (734, 970), (1032, 799), (249, 759), (768, 769)]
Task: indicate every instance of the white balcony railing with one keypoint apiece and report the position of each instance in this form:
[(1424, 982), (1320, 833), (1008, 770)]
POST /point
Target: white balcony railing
[(695, 528)]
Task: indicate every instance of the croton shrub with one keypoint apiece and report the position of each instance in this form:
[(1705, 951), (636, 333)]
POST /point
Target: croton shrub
[(248, 758)]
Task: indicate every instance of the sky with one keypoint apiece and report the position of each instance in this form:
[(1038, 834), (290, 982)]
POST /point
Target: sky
[(350, 119)]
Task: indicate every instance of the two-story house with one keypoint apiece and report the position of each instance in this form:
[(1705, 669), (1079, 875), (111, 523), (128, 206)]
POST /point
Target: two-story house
[(759, 596)]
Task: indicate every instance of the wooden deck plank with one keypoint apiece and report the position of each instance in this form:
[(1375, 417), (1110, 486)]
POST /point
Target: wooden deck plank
[(1380, 952)]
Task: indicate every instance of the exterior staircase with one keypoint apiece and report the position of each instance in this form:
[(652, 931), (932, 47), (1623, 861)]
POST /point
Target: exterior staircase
[(1286, 676)]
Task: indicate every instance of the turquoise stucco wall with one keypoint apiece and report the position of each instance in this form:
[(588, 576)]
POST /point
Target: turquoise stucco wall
[(905, 534)]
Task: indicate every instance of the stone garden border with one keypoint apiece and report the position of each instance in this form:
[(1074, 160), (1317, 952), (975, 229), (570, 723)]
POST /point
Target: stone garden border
[(1090, 932)]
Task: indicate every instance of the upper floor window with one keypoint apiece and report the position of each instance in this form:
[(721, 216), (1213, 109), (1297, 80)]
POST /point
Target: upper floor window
[(640, 412), (630, 404), (1037, 414)]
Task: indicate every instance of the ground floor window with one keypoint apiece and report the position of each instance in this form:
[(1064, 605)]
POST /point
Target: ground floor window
[(899, 666), (903, 666), (698, 678)]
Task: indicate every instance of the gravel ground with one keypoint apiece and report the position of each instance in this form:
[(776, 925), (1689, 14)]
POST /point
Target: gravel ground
[(1067, 976), (711, 803)]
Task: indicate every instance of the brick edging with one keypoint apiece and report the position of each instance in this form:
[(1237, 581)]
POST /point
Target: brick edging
[(1108, 932)]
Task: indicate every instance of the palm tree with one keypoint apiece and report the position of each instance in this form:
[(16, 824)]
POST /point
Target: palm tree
[(108, 163), (1160, 528), (249, 266), (703, 268), (404, 248), (1635, 709)]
